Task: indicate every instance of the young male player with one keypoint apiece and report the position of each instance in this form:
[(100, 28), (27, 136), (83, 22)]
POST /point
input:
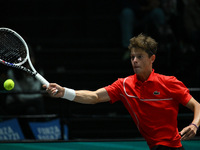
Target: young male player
[(151, 99)]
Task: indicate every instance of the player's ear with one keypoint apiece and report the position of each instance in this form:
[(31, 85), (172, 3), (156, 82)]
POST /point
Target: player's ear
[(153, 57)]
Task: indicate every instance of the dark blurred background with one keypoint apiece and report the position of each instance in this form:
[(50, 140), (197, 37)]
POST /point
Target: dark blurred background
[(77, 44)]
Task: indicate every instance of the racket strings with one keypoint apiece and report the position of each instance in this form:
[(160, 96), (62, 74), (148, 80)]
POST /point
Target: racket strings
[(12, 48)]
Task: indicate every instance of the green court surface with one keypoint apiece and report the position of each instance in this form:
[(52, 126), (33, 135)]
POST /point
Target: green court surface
[(92, 145)]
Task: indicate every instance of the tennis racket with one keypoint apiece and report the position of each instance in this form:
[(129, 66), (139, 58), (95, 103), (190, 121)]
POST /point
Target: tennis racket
[(14, 53)]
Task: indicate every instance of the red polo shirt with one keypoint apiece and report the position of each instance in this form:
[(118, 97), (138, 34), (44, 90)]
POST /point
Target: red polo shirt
[(153, 105)]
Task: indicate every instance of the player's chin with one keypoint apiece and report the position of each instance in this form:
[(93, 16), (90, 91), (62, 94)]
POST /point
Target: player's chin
[(137, 71)]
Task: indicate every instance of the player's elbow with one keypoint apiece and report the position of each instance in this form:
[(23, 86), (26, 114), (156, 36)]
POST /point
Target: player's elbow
[(94, 99)]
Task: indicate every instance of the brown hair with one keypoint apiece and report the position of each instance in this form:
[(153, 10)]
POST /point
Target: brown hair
[(148, 44)]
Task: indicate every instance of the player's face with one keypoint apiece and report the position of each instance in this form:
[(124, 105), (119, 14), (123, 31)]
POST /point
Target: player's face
[(142, 64)]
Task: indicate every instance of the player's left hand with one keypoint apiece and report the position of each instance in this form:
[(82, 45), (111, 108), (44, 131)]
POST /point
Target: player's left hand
[(188, 132)]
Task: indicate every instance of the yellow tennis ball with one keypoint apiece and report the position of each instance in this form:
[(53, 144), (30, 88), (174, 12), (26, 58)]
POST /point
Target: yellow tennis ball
[(9, 84)]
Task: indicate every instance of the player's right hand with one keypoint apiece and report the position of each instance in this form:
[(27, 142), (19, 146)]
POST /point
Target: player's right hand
[(55, 90)]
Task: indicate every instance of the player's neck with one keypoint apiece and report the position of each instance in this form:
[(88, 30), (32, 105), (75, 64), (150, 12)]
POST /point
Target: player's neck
[(144, 76)]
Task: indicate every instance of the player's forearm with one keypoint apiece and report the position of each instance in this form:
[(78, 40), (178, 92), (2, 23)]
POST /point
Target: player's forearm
[(195, 107), (80, 96), (86, 97), (196, 119)]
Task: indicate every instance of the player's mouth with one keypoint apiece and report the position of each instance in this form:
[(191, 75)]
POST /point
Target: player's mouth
[(136, 67)]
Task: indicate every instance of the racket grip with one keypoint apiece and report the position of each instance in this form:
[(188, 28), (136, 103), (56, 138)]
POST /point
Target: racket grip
[(42, 79)]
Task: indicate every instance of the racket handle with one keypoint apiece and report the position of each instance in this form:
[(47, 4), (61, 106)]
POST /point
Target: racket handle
[(42, 79)]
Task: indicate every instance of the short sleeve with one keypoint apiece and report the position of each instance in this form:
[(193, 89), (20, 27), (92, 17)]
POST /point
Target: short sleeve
[(114, 90), (179, 91)]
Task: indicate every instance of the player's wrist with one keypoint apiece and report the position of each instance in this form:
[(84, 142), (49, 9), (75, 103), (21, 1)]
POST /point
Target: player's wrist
[(69, 94), (195, 125)]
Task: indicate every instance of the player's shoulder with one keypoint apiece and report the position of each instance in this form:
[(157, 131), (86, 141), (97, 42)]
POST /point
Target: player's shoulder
[(164, 78), (128, 78), (131, 77)]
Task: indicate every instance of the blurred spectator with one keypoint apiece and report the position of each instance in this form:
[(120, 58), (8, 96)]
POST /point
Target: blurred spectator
[(24, 104), (184, 18), (191, 20), (140, 16), (3, 77)]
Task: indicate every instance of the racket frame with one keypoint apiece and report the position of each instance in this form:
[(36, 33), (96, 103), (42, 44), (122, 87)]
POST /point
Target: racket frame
[(33, 72)]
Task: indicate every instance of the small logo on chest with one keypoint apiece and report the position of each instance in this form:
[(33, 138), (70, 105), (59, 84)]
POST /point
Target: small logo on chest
[(156, 93)]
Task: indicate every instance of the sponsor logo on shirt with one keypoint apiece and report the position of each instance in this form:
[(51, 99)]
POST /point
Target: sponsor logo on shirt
[(156, 93)]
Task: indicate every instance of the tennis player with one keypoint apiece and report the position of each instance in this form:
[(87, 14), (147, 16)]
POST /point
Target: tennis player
[(151, 99)]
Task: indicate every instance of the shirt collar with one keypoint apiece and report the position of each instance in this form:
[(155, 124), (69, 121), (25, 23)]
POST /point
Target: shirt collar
[(151, 77)]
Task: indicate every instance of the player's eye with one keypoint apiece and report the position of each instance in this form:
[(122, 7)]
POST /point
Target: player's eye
[(140, 57), (132, 57)]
